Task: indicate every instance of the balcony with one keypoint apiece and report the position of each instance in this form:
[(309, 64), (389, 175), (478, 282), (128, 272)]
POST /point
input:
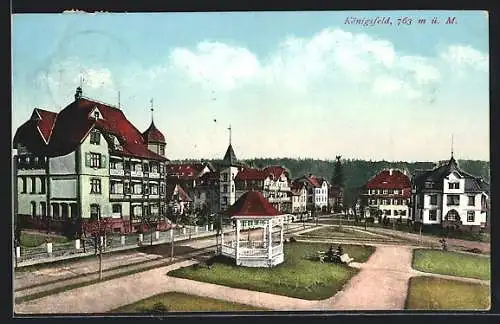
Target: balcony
[(137, 174), (115, 195), (154, 175), (279, 199), (116, 172)]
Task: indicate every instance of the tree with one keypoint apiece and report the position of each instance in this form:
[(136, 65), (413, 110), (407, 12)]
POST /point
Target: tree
[(338, 173), (92, 231), (150, 222)]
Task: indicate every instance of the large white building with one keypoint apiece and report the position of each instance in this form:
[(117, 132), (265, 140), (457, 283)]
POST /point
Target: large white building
[(447, 194), (317, 191), (87, 161)]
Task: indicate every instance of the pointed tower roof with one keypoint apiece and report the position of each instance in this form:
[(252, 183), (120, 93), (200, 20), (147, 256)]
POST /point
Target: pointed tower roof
[(230, 157), (153, 135), (252, 204)]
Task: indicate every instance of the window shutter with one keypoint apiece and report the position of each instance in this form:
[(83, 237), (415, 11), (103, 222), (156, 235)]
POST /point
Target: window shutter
[(87, 159), (103, 161)]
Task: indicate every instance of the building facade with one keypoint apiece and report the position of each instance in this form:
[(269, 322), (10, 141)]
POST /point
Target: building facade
[(388, 195), (448, 195), (317, 191), (88, 162), (299, 198)]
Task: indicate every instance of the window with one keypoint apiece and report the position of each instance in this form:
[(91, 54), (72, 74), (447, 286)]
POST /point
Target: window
[(162, 188), (453, 200), (434, 200), (472, 200), (43, 209), (95, 137), (94, 160), (145, 188), (387, 212), (95, 211), (42, 185), (453, 185), (232, 188), (96, 114), (126, 166), (126, 188), (137, 189), (385, 191), (162, 150), (154, 189), (225, 188), (396, 212), (396, 191), (470, 216), (145, 167), (95, 186), (33, 185), (402, 213), (433, 215), (224, 199), (224, 177), (117, 209)]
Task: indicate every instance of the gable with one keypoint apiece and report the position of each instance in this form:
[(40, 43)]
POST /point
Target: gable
[(95, 113)]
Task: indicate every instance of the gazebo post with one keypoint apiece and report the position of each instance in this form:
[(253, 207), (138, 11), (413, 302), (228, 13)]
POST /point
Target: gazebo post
[(270, 238), (281, 238), (237, 247)]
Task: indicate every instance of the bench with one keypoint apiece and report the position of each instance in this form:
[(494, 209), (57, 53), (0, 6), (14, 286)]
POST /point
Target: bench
[(346, 259)]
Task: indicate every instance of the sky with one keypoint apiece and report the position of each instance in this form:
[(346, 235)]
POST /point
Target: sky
[(290, 84)]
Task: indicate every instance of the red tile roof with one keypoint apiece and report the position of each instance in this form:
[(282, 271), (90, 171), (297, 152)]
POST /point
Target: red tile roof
[(386, 180), (152, 134), (185, 171), (252, 204), (72, 124), (276, 171), (46, 122), (251, 174)]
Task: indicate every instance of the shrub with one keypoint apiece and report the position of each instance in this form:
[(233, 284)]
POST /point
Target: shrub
[(159, 308), (292, 239), (370, 220), (474, 250)]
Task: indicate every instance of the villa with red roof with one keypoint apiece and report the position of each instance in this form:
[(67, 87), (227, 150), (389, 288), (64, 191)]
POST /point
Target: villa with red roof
[(85, 162), (317, 191), (271, 181), (388, 193)]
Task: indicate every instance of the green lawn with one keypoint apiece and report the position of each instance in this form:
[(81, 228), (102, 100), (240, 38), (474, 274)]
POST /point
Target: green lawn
[(179, 302), (35, 239), (430, 293), (338, 232), (297, 277), (452, 263)]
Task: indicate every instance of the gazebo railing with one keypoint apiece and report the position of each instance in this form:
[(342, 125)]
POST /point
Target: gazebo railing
[(243, 252), (277, 250), (229, 251), (253, 244)]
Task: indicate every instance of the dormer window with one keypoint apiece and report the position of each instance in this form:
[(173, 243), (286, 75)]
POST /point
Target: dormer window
[(96, 114), (95, 137), (453, 185), (429, 185)]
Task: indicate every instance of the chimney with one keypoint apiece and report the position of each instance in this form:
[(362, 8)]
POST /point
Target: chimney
[(78, 93)]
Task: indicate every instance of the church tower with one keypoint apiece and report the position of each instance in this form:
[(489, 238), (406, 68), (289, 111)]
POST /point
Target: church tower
[(153, 138)]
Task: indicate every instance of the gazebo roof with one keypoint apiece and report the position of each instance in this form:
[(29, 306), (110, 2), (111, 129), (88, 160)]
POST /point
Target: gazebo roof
[(252, 204)]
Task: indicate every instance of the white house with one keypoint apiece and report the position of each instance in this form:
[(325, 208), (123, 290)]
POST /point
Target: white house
[(317, 191), (87, 161), (299, 197), (448, 194)]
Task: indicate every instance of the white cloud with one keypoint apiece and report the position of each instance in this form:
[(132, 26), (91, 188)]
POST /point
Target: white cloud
[(465, 56), (221, 65)]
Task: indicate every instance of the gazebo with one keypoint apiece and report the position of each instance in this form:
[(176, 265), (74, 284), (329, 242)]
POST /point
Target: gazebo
[(252, 211)]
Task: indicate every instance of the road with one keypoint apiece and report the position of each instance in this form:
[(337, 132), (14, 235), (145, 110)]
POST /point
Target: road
[(48, 277)]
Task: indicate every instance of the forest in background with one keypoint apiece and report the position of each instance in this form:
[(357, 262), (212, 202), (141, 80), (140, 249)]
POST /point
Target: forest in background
[(355, 172)]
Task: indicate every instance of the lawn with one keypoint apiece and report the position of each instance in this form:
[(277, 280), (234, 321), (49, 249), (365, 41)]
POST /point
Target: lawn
[(35, 239), (179, 302), (298, 276), (338, 232), (430, 293), (452, 263)]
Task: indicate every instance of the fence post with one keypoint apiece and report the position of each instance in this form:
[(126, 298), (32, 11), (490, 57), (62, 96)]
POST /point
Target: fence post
[(157, 235), (206, 228), (49, 248), (18, 252), (211, 227), (122, 239), (196, 229), (141, 237), (183, 231), (171, 232), (77, 244), (102, 241)]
